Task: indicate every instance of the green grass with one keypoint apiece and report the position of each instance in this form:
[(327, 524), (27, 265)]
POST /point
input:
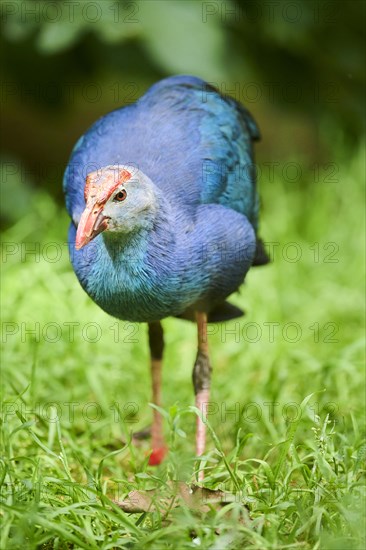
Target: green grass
[(287, 427)]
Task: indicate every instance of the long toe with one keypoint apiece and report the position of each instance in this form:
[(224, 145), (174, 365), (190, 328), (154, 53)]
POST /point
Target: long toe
[(142, 435)]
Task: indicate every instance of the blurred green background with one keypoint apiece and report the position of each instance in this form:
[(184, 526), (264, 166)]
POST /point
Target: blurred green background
[(298, 67)]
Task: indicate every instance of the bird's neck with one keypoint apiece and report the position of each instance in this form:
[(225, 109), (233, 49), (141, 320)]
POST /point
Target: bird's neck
[(144, 242)]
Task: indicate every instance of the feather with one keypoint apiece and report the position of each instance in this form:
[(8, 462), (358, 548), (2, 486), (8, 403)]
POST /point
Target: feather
[(195, 146)]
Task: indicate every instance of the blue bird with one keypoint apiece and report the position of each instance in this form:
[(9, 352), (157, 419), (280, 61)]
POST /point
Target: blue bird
[(164, 208)]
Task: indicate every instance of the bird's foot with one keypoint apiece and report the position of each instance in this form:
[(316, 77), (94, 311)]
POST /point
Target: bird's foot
[(157, 456)]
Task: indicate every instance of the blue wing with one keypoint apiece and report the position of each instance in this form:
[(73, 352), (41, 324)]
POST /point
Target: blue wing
[(191, 141)]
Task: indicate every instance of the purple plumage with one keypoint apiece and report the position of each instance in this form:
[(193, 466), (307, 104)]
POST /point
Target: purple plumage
[(164, 207)]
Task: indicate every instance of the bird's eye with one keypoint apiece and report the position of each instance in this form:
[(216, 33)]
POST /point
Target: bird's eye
[(120, 196)]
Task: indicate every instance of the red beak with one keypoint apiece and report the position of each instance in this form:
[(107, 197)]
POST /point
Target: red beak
[(92, 222)]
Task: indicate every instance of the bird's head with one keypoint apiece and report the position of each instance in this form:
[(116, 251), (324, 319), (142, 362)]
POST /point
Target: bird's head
[(118, 199)]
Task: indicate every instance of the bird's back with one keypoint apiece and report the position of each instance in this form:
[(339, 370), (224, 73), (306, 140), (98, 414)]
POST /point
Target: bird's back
[(192, 142)]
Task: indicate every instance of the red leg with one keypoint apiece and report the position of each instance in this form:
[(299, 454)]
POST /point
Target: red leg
[(156, 343), (201, 381), (202, 397)]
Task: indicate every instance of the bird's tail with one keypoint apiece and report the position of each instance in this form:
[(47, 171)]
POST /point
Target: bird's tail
[(261, 257), (218, 314)]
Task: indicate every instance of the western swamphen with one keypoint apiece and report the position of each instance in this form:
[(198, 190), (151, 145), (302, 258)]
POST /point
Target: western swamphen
[(164, 209)]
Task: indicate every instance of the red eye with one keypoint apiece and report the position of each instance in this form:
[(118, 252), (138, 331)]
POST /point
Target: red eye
[(120, 196)]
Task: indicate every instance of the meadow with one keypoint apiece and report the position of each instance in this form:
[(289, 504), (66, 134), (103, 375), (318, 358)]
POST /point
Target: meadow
[(286, 418)]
